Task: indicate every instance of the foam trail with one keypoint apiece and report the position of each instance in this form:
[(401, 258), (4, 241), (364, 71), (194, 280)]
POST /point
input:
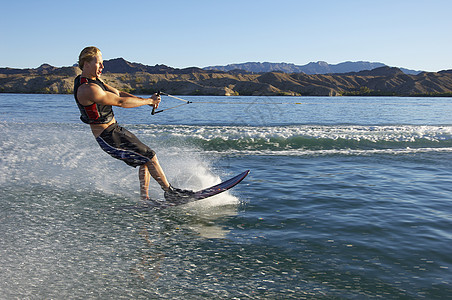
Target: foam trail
[(67, 157), (309, 139)]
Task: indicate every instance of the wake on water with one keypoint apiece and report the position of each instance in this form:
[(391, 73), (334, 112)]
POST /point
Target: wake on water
[(302, 140), (66, 156)]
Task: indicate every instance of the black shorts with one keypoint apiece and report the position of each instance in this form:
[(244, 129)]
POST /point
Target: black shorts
[(124, 145)]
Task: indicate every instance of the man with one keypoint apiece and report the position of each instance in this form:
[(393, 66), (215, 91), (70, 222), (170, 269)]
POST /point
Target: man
[(95, 100)]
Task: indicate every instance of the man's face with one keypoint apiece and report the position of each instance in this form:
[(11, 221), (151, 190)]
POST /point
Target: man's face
[(95, 66)]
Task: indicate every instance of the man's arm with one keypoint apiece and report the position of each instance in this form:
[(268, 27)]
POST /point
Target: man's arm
[(93, 93)]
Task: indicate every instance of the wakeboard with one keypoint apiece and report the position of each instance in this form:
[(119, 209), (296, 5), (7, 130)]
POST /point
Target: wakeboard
[(199, 195)]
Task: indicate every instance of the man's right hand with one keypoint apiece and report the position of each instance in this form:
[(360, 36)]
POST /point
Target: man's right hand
[(155, 100)]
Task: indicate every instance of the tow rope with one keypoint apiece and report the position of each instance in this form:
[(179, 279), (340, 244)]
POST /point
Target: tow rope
[(209, 102)]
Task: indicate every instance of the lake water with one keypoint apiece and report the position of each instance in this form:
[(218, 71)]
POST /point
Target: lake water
[(348, 198)]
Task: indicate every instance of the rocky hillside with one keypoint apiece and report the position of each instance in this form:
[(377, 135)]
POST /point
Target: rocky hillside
[(142, 79), (45, 79)]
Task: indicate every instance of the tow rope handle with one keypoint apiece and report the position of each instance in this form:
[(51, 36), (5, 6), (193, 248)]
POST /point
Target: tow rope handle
[(153, 108), (162, 93)]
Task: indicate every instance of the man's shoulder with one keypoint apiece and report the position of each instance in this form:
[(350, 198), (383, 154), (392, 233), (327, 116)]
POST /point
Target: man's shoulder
[(90, 87), (89, 92)]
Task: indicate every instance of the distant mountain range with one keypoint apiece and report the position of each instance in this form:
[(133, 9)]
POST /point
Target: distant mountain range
[(120, 65), (349, 78), (311, 68)]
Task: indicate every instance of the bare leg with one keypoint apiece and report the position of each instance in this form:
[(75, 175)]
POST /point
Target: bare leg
[(154, 169), (143, 174)]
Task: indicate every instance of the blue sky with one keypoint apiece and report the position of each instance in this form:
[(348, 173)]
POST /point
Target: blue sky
[(405, 33)]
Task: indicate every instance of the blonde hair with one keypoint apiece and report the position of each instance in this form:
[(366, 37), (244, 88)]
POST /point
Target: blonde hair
[(86, 55)]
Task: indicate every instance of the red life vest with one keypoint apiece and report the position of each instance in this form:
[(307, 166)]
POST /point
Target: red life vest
[(94, 113)]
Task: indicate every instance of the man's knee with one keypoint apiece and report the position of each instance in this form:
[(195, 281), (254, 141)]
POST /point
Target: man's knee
[(153, 161)]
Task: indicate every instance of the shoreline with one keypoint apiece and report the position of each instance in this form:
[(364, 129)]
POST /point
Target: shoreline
[(384, 81), (431, 95)]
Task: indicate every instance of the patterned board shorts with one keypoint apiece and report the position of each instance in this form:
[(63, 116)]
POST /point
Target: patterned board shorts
[(124, 145)]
